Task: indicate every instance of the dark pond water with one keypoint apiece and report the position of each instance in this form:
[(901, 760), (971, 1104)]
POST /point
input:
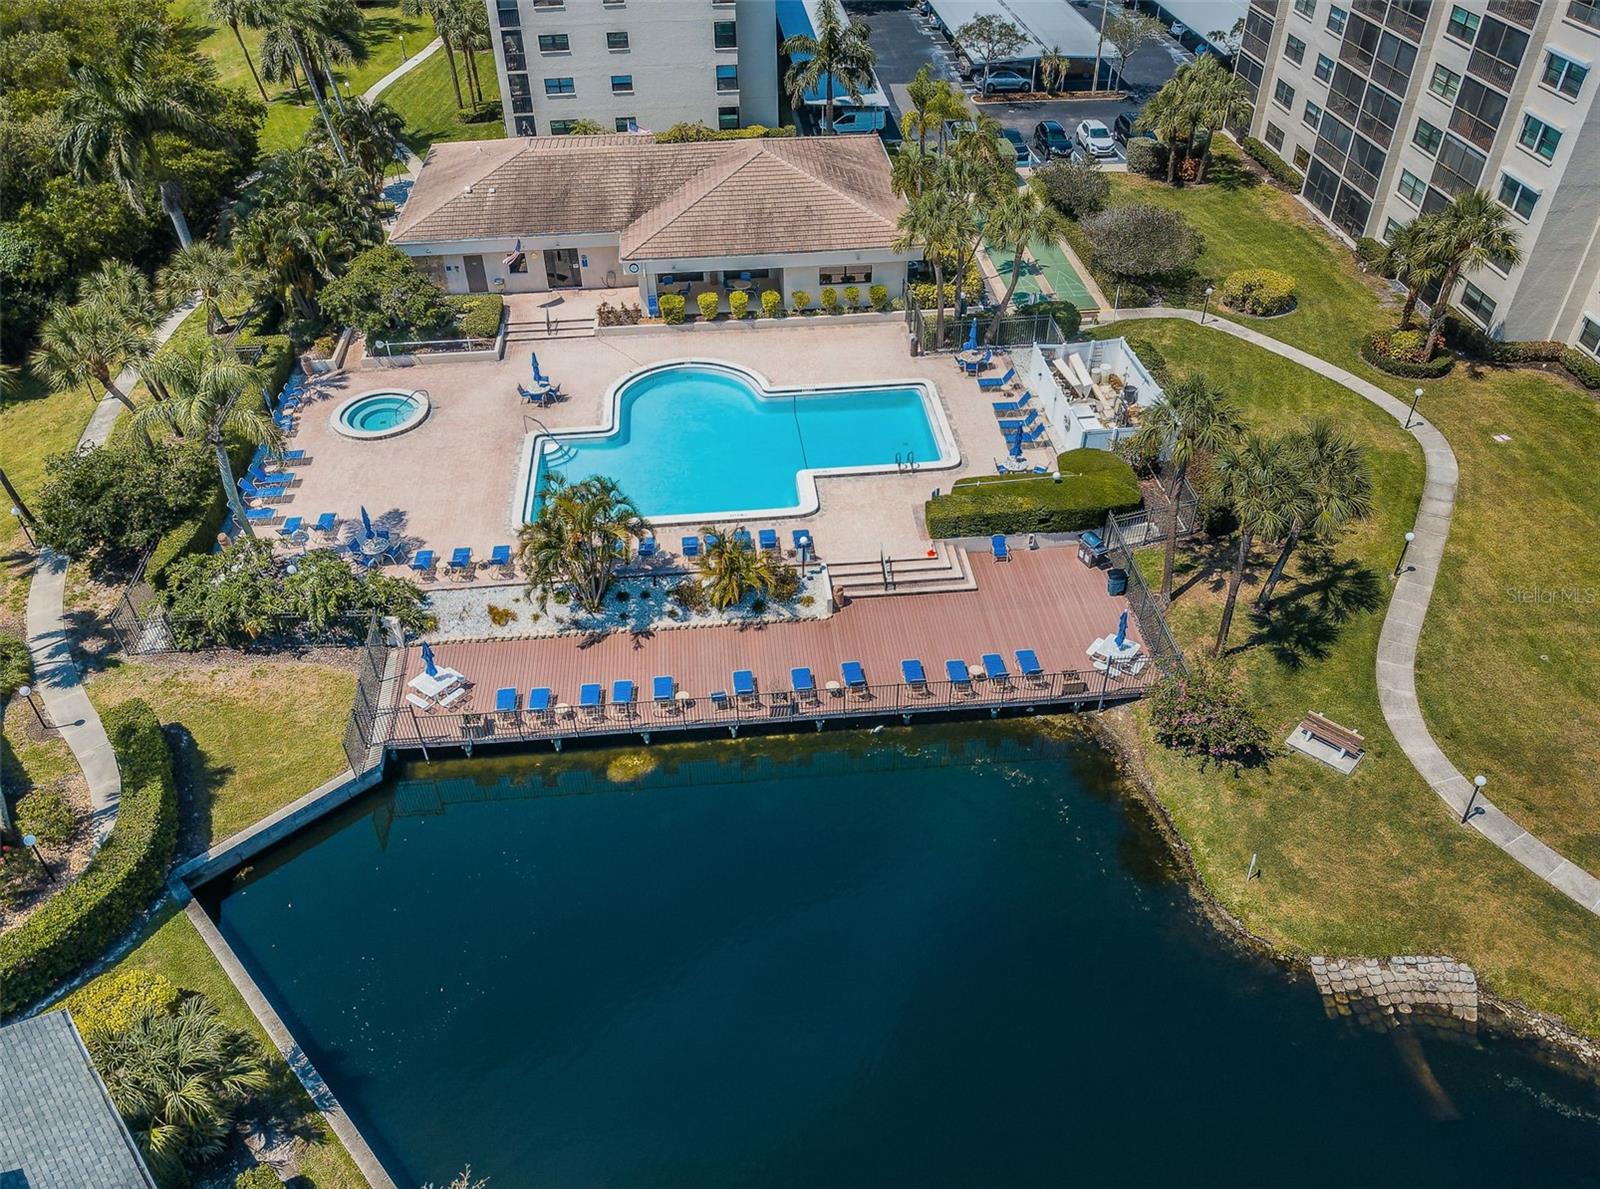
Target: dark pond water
[(954, 956)]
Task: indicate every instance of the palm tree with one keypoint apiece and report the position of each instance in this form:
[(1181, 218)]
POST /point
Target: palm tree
[(84, 343), (206, 381), (732, 569), (1332, 486), (280, 61), (1053, 67), (232, 12), (839, 54), (982, 145), (933, 221), (1172, 114), (178, 1077), (125, 295), (1218, 93), (1258, 481), (578, 538), (1015, 221), (1191, 419), (301, 25), (212, 272), (438, 11), (372, 132), (1461, 237), (1405, 258), (114, 118)]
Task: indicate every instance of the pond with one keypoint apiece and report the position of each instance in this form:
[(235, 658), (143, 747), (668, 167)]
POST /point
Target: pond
[(948, 955)]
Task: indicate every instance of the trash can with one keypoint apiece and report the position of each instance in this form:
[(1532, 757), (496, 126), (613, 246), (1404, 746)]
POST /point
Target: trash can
[(1090, 549), (1117, 582)]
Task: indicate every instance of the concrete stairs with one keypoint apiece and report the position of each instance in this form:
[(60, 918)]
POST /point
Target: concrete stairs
[(537, 330), (949, 569)]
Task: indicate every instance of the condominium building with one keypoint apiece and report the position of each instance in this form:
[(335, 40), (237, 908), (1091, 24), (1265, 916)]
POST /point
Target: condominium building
[(635, 64), (1391, 107)]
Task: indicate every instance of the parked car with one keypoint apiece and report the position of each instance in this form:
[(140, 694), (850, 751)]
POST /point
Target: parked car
[(954, 130), (1122, 128), (1094, 138), (1019, 145), (1006, 80), (1050, 139), (1178, 30)]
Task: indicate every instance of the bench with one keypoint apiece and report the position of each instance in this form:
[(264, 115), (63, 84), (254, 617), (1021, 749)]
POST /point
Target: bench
[(1349, 743)]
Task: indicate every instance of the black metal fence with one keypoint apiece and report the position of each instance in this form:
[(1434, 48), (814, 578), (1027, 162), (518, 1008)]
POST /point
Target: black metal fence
[(362, 733), (1017, 329), (1146, 606)]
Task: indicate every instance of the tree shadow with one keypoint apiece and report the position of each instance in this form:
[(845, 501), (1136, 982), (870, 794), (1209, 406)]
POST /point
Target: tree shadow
[(1202, 560), (198, 777), (1304, 624), (1230, 173), (93, 643)]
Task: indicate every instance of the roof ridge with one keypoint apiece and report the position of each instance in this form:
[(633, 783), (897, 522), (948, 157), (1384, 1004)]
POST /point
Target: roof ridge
[(826, 184)]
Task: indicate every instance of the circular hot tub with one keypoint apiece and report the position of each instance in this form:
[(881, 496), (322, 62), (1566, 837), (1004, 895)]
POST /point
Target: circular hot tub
[(381, 414)]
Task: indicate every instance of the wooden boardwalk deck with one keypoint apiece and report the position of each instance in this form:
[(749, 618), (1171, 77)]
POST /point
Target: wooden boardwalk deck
[(1043, 600)]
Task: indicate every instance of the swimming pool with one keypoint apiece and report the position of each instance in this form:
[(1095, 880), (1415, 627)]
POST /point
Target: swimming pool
[(698, 439), (381, 414)]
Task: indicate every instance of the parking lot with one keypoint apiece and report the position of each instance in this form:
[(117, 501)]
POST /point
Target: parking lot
[(904, 42)]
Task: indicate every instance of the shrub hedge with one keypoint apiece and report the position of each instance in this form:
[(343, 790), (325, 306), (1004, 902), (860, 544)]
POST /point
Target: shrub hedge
[(708, 303), (112, 1002), (738, 303), (1093, 484), (1399, 352), (478, 315), (1068, 317), (1468, 338), (1258, 291), (671, 306), (87, 916), (1282, 172), (771, 303)]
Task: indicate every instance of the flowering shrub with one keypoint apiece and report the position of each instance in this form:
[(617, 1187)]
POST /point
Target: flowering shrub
[(830, 299), (738, 303), (1205, 714), (1258, 291), (708, 303), (852, 296), (671, 306), (1401, 353), (802, 299), (771, 303)]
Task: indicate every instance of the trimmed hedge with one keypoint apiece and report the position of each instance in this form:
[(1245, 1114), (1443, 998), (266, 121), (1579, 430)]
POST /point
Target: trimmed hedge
[(1282, 172), (86, 917), (1385, 350), (1582, 368), (478, 315), (671, 306), (1093, 484), (1261, 292)]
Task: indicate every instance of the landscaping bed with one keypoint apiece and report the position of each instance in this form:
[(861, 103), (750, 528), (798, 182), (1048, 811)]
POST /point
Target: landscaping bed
[(1093, 484)]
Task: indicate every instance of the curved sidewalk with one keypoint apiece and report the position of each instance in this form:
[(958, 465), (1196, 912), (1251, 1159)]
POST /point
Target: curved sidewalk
[(1402, 626)]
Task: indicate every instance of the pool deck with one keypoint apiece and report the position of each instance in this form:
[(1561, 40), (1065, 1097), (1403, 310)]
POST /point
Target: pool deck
[(1045, 600), (453, 481)]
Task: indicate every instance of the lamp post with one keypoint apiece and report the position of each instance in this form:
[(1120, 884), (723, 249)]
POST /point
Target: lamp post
[(1478, 782), (23, 524), (1410, 537), (1416, 395), (32, 843), (402, 47), (27, 696), (1206, 307)]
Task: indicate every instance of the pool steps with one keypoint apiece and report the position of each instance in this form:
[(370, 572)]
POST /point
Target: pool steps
[(948, 570)]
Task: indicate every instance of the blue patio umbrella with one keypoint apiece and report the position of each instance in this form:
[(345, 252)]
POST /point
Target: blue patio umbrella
[(366, 521), (972, 337), (428, 667), (1122, 630)]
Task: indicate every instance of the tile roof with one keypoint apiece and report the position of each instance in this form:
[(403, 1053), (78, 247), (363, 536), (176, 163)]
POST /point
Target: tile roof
[(723, 198), (58, 1129)]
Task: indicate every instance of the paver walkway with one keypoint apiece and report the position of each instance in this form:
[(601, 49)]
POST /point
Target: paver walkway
[(1402, 626), (55, 674)]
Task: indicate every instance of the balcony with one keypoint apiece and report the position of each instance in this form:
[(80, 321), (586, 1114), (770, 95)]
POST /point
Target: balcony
[(1519, 12), (1254, 43), (1494, 71), (1346, 109), (1268, 6), (1354, 56), (1479, 132), (1375, 129), (1585, 12), (1409, 18)]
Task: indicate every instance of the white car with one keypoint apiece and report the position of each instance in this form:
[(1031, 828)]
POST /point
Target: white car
[(1094, 139)]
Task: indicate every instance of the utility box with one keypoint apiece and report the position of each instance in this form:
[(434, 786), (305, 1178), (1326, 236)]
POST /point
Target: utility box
[(1090, 549), (1116, 582)]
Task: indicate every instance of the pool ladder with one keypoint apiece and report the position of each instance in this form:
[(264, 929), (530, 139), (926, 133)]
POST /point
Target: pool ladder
[(905, 463)]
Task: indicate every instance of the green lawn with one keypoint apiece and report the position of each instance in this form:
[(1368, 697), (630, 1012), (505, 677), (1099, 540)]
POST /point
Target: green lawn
[(264, 732), (170, 945), (426, 100), (1373, 863), (34, 424)]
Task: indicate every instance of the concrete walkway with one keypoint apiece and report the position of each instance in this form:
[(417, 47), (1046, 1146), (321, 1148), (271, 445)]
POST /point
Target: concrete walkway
[(55, 674), (1402, 626), (400, 71)]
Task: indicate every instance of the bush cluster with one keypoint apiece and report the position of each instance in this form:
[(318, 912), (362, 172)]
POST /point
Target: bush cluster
[(738, 304), (771, 303), (672, 308), (852, 297), (1282, 172), (1399, 352), (830, 299), (1259, 291), (1468, 338), (109, 503), (606, 314), (112, 1002), (1143, 240), (1147, 157), (801, 299), (708, 303), (260, 1176), (46, 814), (478, 315), (688, 132), (878, 295), (83, 919), (1093, 484), (1067, 316), (1076, 190), (1204, 713), (385, 295)]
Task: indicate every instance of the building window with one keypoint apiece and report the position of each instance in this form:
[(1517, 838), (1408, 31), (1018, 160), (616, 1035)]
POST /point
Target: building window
[(1337, 18), (1563, 74), (1427, 137), (1477, 303), (1283, 95), (1517, 197), (1324, 67), (1312, 116), (1462, 25), (1306, 8), (622, 84), (1444, 83), (1411, 187), (727, 78), (511, 45), (517, 84), (519, 263), (1585, 11), (554, 43), (1294, 49), (1302, 157), (510, 15), (559, 86), (1391, 226), (1589, 336), (626, 124), (526, 126), (1274, 136), (725, 35), (1460, 166), (1539, 137), (562, 127), (727, 117), (616, 41)]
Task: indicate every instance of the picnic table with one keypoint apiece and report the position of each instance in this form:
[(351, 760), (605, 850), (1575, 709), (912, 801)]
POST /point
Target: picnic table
[(970, 358), (439, 683)]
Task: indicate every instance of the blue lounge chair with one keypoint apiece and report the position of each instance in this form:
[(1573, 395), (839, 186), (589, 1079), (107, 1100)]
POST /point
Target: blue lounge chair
[(264, 478), (768, 538), (1013, 406), (1015, 425), (647, 548), (505, 701), (591, 697), (326, 523), (719, 699), (712, 539), (622, 695), (977, 365), (691, 547), (1032, 434), (912, 673), (422, 562), (803, 541), (291, 458), (652, 307), (801, 680), (500, 559), (461, 561), (534, 396), (664, 690), (959, 675), (744, 683), (267, 495), (260, 515), (743, 539), (994, 667), (990, 383), (855, 677), (998, 547), (1028, 663), (539, 700)]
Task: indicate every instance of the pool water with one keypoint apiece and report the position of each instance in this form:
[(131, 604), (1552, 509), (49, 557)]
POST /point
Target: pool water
[(692, 440), (379, 412), (951, 955)]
